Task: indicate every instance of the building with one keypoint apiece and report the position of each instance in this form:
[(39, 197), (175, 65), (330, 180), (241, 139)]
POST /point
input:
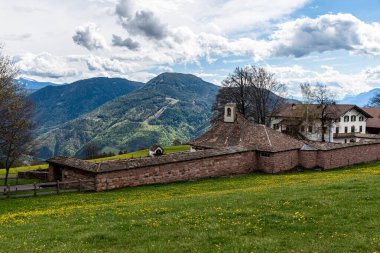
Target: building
[(233, 146), (373, 124), (345, 123)]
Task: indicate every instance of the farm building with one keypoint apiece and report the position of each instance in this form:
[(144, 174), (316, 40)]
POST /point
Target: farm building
[(233, 146)]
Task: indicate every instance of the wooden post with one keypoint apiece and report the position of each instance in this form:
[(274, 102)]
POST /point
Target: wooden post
[(8, 191), (80, 185), (35, 189), (57, 186)]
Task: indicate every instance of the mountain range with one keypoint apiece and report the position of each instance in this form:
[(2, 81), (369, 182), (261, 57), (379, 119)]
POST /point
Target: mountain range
[(118, 114), (361, 99)]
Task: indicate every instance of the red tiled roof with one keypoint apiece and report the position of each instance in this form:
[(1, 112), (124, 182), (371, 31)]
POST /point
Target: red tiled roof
[(373, 122), (243, 133), (298, 111)]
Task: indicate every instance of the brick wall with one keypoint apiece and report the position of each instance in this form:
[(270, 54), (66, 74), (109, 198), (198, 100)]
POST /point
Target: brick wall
[(278, 162), (232, 164), (336, 158), (308, 159), (217, 165)]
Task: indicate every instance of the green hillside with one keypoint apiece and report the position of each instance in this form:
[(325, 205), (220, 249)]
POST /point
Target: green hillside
[(169, 107), (328, 211), (58, 104)]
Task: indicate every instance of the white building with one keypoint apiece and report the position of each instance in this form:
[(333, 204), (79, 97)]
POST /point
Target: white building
[(346, 123)]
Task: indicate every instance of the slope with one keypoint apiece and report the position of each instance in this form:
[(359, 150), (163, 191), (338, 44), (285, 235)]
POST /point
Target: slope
[(170, 106), (58, 104)]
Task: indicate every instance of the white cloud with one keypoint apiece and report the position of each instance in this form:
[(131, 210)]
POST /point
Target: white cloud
[(89, 37), (325, 33), (45, 65), (340, 83)]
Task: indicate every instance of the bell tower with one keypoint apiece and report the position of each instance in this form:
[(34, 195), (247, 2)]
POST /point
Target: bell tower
[(230, 113)]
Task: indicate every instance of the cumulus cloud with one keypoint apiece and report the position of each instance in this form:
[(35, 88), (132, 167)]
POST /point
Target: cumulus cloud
[(89, 37), (128, 43), (142, 22), (96, 63), (124, 8), (325, 33), (340, 83), (45, 65)]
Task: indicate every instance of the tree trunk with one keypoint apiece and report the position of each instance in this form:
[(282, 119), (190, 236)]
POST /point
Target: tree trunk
[(6, 176)]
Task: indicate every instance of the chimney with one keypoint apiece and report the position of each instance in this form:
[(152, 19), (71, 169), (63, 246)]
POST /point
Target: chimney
[(230, 113)]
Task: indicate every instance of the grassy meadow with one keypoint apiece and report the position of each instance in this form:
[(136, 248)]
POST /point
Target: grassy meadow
[(315, 211)]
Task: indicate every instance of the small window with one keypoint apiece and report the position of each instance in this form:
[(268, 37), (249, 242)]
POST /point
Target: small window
[(302, 128), (276, 126), (338, 120), (229, 112), (346, 129), (361, 118), (345, 140), (353, 129), (353, 118), (310, 129), (346, 118), (361, 129), (337, 130), (265, 154)]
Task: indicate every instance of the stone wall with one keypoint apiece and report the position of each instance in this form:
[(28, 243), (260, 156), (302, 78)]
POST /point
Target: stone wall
[(278, 162), (218, 166), (308, 159), (119, 174), (335, 158)]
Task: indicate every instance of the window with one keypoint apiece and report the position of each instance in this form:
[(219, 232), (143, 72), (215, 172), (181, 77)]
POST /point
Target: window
[(345, 140), (346, 129), (337, 130), (276, 126), (229, 112), (353, 129), (338, 120), (302, 128), (310, 129), (361, 118), (353, 118), (361, 128), (346, 118), (265, 154)]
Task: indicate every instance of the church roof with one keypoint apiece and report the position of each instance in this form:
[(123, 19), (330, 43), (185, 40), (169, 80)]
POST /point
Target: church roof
[(243, 133)]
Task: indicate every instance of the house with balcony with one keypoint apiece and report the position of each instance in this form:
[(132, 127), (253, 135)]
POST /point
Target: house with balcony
[(344, 123)]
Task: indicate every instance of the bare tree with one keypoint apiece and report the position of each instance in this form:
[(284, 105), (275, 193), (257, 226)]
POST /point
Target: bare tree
[(15, 118), (325, 101), (255, 92), (375, 100), (266, 93)]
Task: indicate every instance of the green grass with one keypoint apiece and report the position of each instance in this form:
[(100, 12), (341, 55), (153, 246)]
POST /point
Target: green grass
[(326, 211), (137, 154)]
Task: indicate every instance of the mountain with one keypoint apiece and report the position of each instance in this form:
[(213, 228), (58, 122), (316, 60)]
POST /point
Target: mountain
[(170, 106), (56, 105), (33, 85), (361, 99)]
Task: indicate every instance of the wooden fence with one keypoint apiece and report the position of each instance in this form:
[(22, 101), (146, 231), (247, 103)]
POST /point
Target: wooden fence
[(29, 190)]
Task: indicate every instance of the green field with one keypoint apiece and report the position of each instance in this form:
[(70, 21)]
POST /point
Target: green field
[(317, 211), (137, 154)]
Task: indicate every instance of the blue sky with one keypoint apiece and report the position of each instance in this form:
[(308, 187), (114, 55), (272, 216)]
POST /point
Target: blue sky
[(334, 42)]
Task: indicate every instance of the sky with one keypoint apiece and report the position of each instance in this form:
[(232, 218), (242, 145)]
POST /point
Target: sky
[(335, 42)]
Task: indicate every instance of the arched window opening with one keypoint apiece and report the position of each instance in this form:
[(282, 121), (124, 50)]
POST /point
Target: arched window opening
[(229, 112)]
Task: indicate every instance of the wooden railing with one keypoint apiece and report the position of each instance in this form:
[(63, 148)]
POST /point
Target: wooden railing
[(29, 190)]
